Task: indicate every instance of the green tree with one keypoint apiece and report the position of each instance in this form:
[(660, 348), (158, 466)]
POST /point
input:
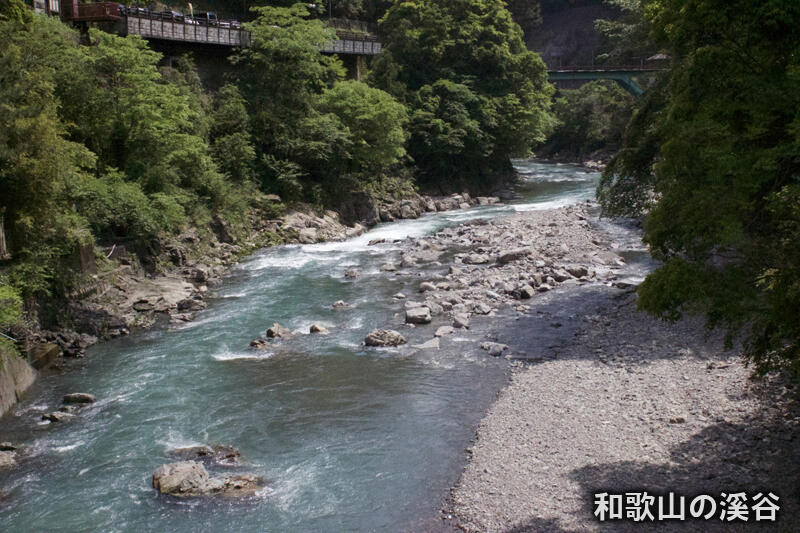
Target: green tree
[(590, 118), (374, 122), (231, 142), (40, 169), (474, 44), (626, 37), (714, 156), (282, 72)]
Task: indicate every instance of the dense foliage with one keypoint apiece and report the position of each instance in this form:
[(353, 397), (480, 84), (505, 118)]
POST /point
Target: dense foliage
[(591, 118), (102, 144), (477, 95), (309, 127), (97, 144), (713, 155)]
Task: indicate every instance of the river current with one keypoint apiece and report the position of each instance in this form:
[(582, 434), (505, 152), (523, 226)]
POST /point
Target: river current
[(347, 439)]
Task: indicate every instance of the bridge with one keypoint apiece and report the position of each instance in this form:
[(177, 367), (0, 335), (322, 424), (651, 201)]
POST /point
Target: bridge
[(624, 75), (353, 39)]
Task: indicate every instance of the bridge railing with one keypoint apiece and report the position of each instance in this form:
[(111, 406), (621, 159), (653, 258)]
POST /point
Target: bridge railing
[(164, 28), (606, 68)]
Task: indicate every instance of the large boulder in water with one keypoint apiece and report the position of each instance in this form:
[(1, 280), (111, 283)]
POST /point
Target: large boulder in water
[(218, 453), (79, 397), (190, 479), (276, 331), (384, 337), (7, 460)]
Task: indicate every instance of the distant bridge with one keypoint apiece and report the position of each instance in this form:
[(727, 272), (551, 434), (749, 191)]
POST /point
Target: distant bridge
[(624, 75)]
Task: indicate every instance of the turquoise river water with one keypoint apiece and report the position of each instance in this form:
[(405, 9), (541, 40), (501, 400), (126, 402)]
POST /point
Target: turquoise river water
[(348, 439)]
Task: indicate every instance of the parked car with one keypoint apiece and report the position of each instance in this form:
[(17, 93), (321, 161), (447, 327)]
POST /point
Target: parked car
[(172, 15), (137, 11), (207, 17)]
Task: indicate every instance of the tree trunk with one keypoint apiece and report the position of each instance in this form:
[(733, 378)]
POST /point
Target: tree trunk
[(3, 248)]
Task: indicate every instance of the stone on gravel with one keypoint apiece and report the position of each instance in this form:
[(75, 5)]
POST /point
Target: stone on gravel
[(426, 286), (384, 337), (577, 271), (276, 331), (476, 259), (481, 309), (512, 255), (418, 315), (523, 292), (461, 321), (434, 307), (79, 397)]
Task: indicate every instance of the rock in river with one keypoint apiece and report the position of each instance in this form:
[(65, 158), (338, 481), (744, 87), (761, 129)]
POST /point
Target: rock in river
[(384, 337), (219, 453), (7, 460), (444, 330), (352, 273), (190, 479), (276, 331), (316, 328), (418, 315), (494, 348), (57, 416), (79, 397)]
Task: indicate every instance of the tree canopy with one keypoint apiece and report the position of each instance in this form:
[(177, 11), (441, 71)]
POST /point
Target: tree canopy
[(713, 157), (473, 51)]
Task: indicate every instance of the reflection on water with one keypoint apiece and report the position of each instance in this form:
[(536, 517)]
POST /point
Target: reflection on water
[(348, 438)]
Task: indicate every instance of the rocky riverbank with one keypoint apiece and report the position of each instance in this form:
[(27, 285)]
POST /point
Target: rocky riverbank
[(607, 399), (124, 294)]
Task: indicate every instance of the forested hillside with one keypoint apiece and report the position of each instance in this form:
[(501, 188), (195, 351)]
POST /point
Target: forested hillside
[(101, 143), (712, 158)]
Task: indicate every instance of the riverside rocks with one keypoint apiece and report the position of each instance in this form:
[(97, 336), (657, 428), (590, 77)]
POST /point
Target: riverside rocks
[(418, 315), (190, 479), (316, 328), (384, 337), (499, 262)]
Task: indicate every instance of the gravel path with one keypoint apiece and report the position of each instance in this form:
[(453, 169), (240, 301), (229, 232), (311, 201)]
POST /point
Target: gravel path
[(613, 400)]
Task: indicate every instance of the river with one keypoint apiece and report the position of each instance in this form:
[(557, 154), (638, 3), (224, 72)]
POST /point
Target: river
[(348, 439)]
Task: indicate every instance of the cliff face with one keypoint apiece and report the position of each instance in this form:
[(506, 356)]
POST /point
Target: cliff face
[(16, 375), (567, 35)]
